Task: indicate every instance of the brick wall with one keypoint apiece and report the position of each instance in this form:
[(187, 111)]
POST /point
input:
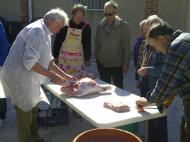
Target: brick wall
[(151, 7)]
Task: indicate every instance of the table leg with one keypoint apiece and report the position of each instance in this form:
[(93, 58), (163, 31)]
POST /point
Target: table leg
[(48, 111), (146, 130)]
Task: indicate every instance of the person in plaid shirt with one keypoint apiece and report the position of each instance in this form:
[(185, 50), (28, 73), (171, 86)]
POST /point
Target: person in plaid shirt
[(138, 55), (150, 68), (144, 55), (175, 74)]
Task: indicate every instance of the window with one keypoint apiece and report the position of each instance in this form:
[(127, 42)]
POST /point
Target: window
[(92, 4)]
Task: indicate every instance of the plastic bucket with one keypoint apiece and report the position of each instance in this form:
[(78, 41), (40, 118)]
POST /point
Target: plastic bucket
[(107, 135)]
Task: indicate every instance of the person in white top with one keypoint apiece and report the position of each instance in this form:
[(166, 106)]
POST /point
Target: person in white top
[(29, 62)]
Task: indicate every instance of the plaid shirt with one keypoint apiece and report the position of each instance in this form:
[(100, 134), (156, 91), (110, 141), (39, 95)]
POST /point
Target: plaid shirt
[(147, 54), (140, 55), (137, 54), (138, 44), (176, 71)]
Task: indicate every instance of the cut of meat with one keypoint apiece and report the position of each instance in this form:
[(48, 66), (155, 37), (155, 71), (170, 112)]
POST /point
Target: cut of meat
[(140, 108), (117, 106), (84, 86)]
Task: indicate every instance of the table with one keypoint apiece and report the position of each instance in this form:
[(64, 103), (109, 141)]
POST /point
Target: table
[(91, 107)]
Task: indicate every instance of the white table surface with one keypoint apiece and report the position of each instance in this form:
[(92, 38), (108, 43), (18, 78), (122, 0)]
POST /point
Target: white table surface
[(91, 107)]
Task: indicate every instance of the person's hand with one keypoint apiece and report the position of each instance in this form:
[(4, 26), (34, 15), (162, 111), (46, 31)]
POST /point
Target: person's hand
[(55, 60), (87, 63), (142, 102), (69, 77), (142, 71), (69, 84), (57, 79), (125, 69)]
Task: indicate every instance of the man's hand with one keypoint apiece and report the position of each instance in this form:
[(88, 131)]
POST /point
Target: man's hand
[(54, 68), (87, 63), (142, 71), (125, 69), (69, 84), (69, 77), (57, 79), (142, 102)]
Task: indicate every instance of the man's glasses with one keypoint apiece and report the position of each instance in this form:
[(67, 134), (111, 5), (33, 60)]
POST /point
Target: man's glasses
[(108, 14)]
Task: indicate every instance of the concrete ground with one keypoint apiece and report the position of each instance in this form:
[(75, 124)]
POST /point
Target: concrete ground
[(66, 133)]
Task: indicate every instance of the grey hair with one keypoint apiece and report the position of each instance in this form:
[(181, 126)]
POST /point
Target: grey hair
[(142, 23), (154, 19), (151, 21), (111, 3), (56, 15)]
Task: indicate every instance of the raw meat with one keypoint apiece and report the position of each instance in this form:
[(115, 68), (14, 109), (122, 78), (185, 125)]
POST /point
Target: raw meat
[(84, 86), (140, 108), (117, 106)]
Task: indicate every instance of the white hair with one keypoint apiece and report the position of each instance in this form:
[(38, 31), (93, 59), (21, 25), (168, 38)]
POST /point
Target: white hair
[(151, 21), (142, 23), (111, 3), (154, 19), (56, 15)]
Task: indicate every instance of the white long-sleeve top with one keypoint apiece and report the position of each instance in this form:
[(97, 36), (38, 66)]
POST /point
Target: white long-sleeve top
[(32, 45)]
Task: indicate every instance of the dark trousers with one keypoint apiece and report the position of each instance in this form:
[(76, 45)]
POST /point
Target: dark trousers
[(108, 74), (157, 130), (143, 86), (185, 125), (3, 108)]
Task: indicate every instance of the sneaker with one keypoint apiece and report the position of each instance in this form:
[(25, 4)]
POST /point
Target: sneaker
[(1, 123)]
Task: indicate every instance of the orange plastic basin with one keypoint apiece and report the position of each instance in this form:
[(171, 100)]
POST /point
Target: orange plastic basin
[(106, 135)]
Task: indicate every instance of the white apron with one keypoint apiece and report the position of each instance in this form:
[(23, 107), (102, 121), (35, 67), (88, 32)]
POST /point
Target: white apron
[(71, 59)]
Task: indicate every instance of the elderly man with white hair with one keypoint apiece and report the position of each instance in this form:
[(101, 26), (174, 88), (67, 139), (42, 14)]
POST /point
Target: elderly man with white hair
[(29, 62)]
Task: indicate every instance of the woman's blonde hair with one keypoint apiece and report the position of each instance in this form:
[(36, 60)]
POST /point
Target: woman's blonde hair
[(78, 7)]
